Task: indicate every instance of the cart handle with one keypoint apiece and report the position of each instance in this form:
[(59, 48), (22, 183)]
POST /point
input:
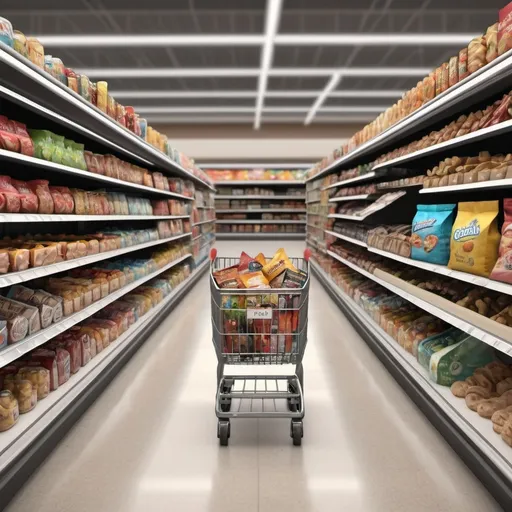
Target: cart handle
[(213, 254), (307, 254)]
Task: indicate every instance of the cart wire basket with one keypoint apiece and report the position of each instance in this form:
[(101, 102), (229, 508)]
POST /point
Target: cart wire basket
[(259, 327)]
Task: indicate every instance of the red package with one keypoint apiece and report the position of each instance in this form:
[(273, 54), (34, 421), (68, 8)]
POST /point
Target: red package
[(41, 189), (500, 114), (63, 365), (505, 29), (10, 202), (160, 207), (8, 139), (26, 144), (72, 346), (59, 203), (67, 196), (47, 359), (28, 200)]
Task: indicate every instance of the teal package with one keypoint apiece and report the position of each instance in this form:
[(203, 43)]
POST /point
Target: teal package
[(430, 233)]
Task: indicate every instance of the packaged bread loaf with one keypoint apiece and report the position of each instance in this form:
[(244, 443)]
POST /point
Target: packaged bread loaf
[(47, 359), (17, 326), (31, 313), (50, 306), (505, 29), (491, 41)]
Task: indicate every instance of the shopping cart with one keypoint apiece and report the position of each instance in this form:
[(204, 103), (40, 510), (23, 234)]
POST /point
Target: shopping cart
[(259, 327)]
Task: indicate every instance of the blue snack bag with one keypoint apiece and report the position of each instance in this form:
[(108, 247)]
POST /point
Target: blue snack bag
[(431, 231)]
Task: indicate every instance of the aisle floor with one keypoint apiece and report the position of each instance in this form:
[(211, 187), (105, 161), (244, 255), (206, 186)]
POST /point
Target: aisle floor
[(149, 442)]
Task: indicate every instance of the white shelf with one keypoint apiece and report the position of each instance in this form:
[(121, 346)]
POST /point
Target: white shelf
[(204, 222), (364, 177), (20, 70), (11, 157), (29, 426), (445, 271), (477, 429), (313, 201), (234, 236), (491, 339), (487, 78), (270, 198), (494, 184), (346, 217), (261, 221), (347, 238), (281, 183), (470, 138), (359, 197), (47, 270), (263, 210), (16, 350), (205, 207), (6, 218)]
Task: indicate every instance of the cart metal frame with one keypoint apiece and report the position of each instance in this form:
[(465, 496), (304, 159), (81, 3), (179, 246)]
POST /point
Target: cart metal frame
[(259, 327)]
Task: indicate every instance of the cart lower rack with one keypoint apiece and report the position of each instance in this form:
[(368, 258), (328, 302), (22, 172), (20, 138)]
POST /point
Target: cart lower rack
[(254, 327)]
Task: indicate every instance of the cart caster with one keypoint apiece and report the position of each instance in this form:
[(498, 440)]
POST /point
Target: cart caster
[(225, 405), (293, 403), (296, 432), (223, 432)]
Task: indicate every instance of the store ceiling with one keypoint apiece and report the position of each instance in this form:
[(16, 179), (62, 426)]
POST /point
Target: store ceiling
[(310, 78)]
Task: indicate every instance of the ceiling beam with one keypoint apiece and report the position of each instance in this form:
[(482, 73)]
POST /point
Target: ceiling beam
[(272, 17)]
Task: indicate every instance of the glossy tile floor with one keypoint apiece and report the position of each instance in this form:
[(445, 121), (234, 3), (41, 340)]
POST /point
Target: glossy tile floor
[(149, 442)]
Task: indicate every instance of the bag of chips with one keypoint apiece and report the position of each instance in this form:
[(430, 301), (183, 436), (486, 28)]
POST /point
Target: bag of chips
[(278, 264), (475, 238), (248, 264), (254, 280)]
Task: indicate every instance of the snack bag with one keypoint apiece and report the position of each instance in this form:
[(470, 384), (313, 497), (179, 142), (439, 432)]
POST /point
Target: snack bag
[(254, 280), (431, 229), (279, 263), (261, 259), (228, 277), (248, 264), (503, 269), (475, 238)]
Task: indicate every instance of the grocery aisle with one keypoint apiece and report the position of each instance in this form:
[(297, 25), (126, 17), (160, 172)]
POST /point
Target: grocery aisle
[(149, 442)]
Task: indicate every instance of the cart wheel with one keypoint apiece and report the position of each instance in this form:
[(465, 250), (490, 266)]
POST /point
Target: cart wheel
[(293, 403), (223, 432), (296, 432)]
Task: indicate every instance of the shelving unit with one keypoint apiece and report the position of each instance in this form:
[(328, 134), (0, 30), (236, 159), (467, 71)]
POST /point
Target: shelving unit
[(469, 434), (32, 96), (246, 192)]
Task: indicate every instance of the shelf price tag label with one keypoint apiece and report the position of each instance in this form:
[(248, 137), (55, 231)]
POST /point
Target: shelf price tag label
[(259, 314)]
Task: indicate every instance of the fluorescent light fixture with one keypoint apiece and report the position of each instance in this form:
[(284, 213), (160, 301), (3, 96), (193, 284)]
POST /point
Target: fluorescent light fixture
[(197, 110), (214, 118), (167, 72), (155, 94), (391, 71), (331, 85), (182, 94), (229, 40), (367, 94), (149, 40), (244, 72), (273, 14), (358, 39), (240, 110), (354, 109)]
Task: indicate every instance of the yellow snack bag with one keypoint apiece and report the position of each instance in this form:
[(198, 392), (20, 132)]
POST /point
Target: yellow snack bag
[(261, 259), (278, 264), (475, 238)]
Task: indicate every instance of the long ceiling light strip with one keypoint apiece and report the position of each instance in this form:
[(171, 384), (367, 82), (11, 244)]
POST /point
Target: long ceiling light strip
[(331, 85), (230, 40), (239, 119), (231, 109), (166, 94), (273, 15), (249, 72)]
